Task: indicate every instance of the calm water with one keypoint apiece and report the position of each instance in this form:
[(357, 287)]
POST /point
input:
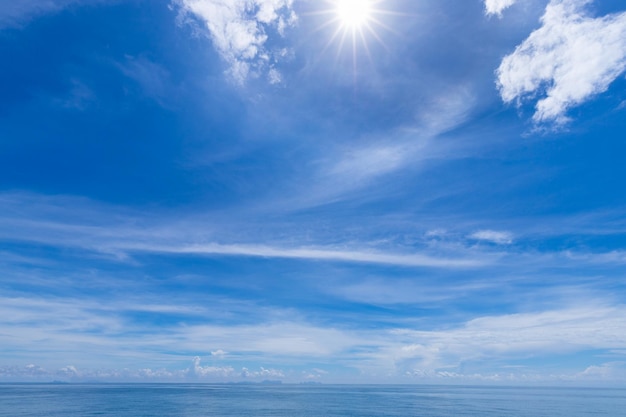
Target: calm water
[(305, 401)]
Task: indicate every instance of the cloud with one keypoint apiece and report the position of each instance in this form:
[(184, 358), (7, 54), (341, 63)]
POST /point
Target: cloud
[(394, 351), (514, 336), (262, 373), (363, 164), (152, 78), (82, 227), (346, 171), (497, 6), (204, 371), (15, 13), (219, 353), (72, 373), (571, 58), (241, 30), (606, 372), (387, 292), (501, 238), (316, 254)]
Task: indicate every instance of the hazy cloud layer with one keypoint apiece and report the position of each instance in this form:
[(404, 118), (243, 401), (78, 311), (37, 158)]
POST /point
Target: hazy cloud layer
[(400, 352), (512, 336), (571, 58)]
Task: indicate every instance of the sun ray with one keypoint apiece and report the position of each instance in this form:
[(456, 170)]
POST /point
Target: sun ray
[(356, 23)]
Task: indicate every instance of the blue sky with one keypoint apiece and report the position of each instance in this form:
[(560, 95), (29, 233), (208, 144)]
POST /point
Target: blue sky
[(243, 190)]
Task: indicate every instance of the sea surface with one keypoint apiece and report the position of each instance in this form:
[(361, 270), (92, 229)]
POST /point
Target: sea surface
[(135, 400)]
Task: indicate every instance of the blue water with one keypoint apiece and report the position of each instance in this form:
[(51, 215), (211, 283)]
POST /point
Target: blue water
[(306, 401)]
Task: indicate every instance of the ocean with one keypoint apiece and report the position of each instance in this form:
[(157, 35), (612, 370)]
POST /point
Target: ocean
[(199, 400)]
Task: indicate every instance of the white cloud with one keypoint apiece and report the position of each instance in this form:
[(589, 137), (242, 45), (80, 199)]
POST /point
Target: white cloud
[(489, 339), (271, 340), (501, 238), (497, 6), (262, 373), (213, 371), (81, 229), (219, 353), (361, 165), (71, 373), (571, 58), (318, 254), (241, 29), (605, 372), (514, 336)]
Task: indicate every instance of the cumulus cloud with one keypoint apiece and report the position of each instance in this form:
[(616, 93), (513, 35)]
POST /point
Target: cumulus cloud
[(493, 236), (71, 373), (196, 371), (209, 371), (262, 373), (569, 59), (497, 6), (241, 31)]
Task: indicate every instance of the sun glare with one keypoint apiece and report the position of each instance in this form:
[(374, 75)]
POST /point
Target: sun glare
[(354, 13), (356, 23)]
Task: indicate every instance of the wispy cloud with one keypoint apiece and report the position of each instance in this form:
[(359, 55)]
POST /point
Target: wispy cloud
[(509, 337), (80, 329), (571, 58), (386, 291), (241, 31), (373, 158), (363, 164), (341, 255), (19, 12), (152, 78), (83, 228), (14, 13), (494, 236)]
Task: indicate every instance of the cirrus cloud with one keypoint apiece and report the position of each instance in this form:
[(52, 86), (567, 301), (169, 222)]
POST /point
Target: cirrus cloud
[(494, 236)]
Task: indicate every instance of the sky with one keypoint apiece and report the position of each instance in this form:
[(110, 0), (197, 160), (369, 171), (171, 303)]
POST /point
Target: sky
[(333, 191)]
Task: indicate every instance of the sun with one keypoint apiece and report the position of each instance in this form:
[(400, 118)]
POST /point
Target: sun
[(356, 23), (354, 13)]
